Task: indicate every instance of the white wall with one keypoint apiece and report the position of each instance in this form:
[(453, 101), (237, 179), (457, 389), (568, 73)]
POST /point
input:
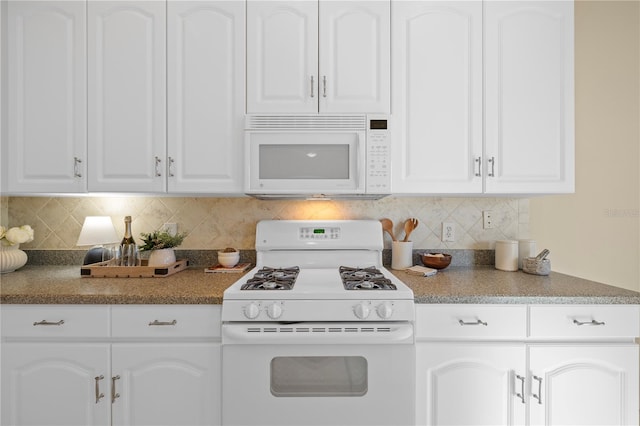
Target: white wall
[(595, 233)]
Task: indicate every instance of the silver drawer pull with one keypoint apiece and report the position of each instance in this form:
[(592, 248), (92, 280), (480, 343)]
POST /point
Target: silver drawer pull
[(479, 322), (45, 322), (538, 396), (592, 322), (156, 322), (114, 395)]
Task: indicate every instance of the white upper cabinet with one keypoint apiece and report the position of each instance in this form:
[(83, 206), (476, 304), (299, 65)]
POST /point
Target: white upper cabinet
[(127, 84), (483, 97), (310, 56), (437, 104), (205, 99), (354, 65), (529, 96), (45, 146), (282, 56)]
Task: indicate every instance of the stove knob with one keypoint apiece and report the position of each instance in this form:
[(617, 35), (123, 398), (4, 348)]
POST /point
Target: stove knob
[(385, 310), (252, 310), (274, 310), (361, 310)]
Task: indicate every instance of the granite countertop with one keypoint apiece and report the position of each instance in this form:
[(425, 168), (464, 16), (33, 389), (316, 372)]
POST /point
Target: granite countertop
[(462, 284)]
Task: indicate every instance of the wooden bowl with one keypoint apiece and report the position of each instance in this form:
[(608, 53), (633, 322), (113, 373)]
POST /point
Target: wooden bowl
[(436, 262)]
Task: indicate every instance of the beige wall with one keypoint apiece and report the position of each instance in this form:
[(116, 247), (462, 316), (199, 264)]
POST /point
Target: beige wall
[(595, 233)]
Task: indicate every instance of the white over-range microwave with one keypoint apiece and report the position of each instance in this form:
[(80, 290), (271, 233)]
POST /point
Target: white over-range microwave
[(317, 156)]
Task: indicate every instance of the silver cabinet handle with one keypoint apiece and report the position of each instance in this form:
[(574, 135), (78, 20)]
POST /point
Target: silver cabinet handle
[(592, 322), (538, 396), (492, 161), (114, 394), (170, 167), (521, 394), (76, 167), (156, 322), (324, 86), (479, 322), (99, 395), (45, 322), (479, 164), (157, 165), (312, 87)]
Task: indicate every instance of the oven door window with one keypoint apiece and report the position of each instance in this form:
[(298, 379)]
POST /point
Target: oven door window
[(308, 376)]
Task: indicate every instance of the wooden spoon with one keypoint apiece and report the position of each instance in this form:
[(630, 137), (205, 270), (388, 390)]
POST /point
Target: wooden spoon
[(387, 226), (409, 225)]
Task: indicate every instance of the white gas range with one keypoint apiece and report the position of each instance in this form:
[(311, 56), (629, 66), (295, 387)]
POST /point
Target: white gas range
[(319, 332)]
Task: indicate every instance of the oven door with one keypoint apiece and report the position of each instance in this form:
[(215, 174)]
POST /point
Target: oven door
[(302, 162), (318, 374)]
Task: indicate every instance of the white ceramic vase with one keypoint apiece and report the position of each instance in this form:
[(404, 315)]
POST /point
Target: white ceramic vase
[(162, 257), (11, 258)]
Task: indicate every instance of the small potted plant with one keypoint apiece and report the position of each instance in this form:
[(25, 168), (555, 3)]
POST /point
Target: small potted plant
[(161, 245)]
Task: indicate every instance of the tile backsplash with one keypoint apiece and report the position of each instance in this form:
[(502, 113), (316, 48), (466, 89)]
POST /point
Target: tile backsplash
[(212, 223)]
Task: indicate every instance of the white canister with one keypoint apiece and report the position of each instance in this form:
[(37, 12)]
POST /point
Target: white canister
[(401, 254), (526, 248), (507, 255)]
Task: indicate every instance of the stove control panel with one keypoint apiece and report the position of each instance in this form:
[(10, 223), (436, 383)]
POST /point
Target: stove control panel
[(327, 310), (312, 233)]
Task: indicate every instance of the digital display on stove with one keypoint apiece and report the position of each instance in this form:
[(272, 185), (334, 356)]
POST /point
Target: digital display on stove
[(318, 231)]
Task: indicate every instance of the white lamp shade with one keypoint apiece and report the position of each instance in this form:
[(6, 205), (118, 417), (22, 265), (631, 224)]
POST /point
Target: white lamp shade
[(97, 230)]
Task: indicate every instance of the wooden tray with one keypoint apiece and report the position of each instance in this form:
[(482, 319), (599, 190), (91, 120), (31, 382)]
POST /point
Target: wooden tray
[(101, 270)]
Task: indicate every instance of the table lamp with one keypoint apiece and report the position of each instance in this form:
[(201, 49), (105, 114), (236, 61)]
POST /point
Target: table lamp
[(96, 231)]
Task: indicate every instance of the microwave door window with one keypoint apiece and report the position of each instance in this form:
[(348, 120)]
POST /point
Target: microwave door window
[(304, 161)]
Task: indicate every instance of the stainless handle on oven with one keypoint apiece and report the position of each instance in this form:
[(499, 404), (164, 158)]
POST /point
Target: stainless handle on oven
[(156, 322), (521, 393), (478, 322), (45, 322)]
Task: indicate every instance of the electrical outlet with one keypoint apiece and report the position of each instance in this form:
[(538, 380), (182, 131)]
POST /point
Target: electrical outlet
[(487, 220), (171, 228), (448, 231)]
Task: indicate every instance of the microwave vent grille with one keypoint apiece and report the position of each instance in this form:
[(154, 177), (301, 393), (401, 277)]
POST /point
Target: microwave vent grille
[(306, 122)]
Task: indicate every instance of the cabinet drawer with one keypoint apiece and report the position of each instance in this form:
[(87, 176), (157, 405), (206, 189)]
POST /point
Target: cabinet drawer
[(166, 321), (471, 321), (585, 321), (60, 321)]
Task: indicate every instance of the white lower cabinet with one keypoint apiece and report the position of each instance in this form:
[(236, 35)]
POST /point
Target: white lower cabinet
[(161, 370), (575, 365)]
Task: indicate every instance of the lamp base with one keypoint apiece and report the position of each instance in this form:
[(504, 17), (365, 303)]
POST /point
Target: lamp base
[(94, 255)]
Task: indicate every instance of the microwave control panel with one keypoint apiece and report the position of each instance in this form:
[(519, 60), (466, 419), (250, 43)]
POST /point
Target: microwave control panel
[(378, 157)]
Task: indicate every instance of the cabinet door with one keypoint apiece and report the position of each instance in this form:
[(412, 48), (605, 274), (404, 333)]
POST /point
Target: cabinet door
[(46, 109), (282, 56), (529, 96), (55, 384), (584, 385), (437, 86), (127, 140), (470, 384), (205, 95), (354, 67), (167, 384)]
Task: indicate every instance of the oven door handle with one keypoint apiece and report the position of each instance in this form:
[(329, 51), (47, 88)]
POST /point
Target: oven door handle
[(317, 333)]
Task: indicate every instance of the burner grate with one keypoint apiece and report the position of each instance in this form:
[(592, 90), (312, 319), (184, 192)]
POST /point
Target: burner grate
[(267, 278), (364, 279)]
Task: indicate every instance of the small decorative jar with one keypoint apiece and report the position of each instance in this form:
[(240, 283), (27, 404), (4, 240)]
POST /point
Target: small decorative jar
[(11, 258)]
